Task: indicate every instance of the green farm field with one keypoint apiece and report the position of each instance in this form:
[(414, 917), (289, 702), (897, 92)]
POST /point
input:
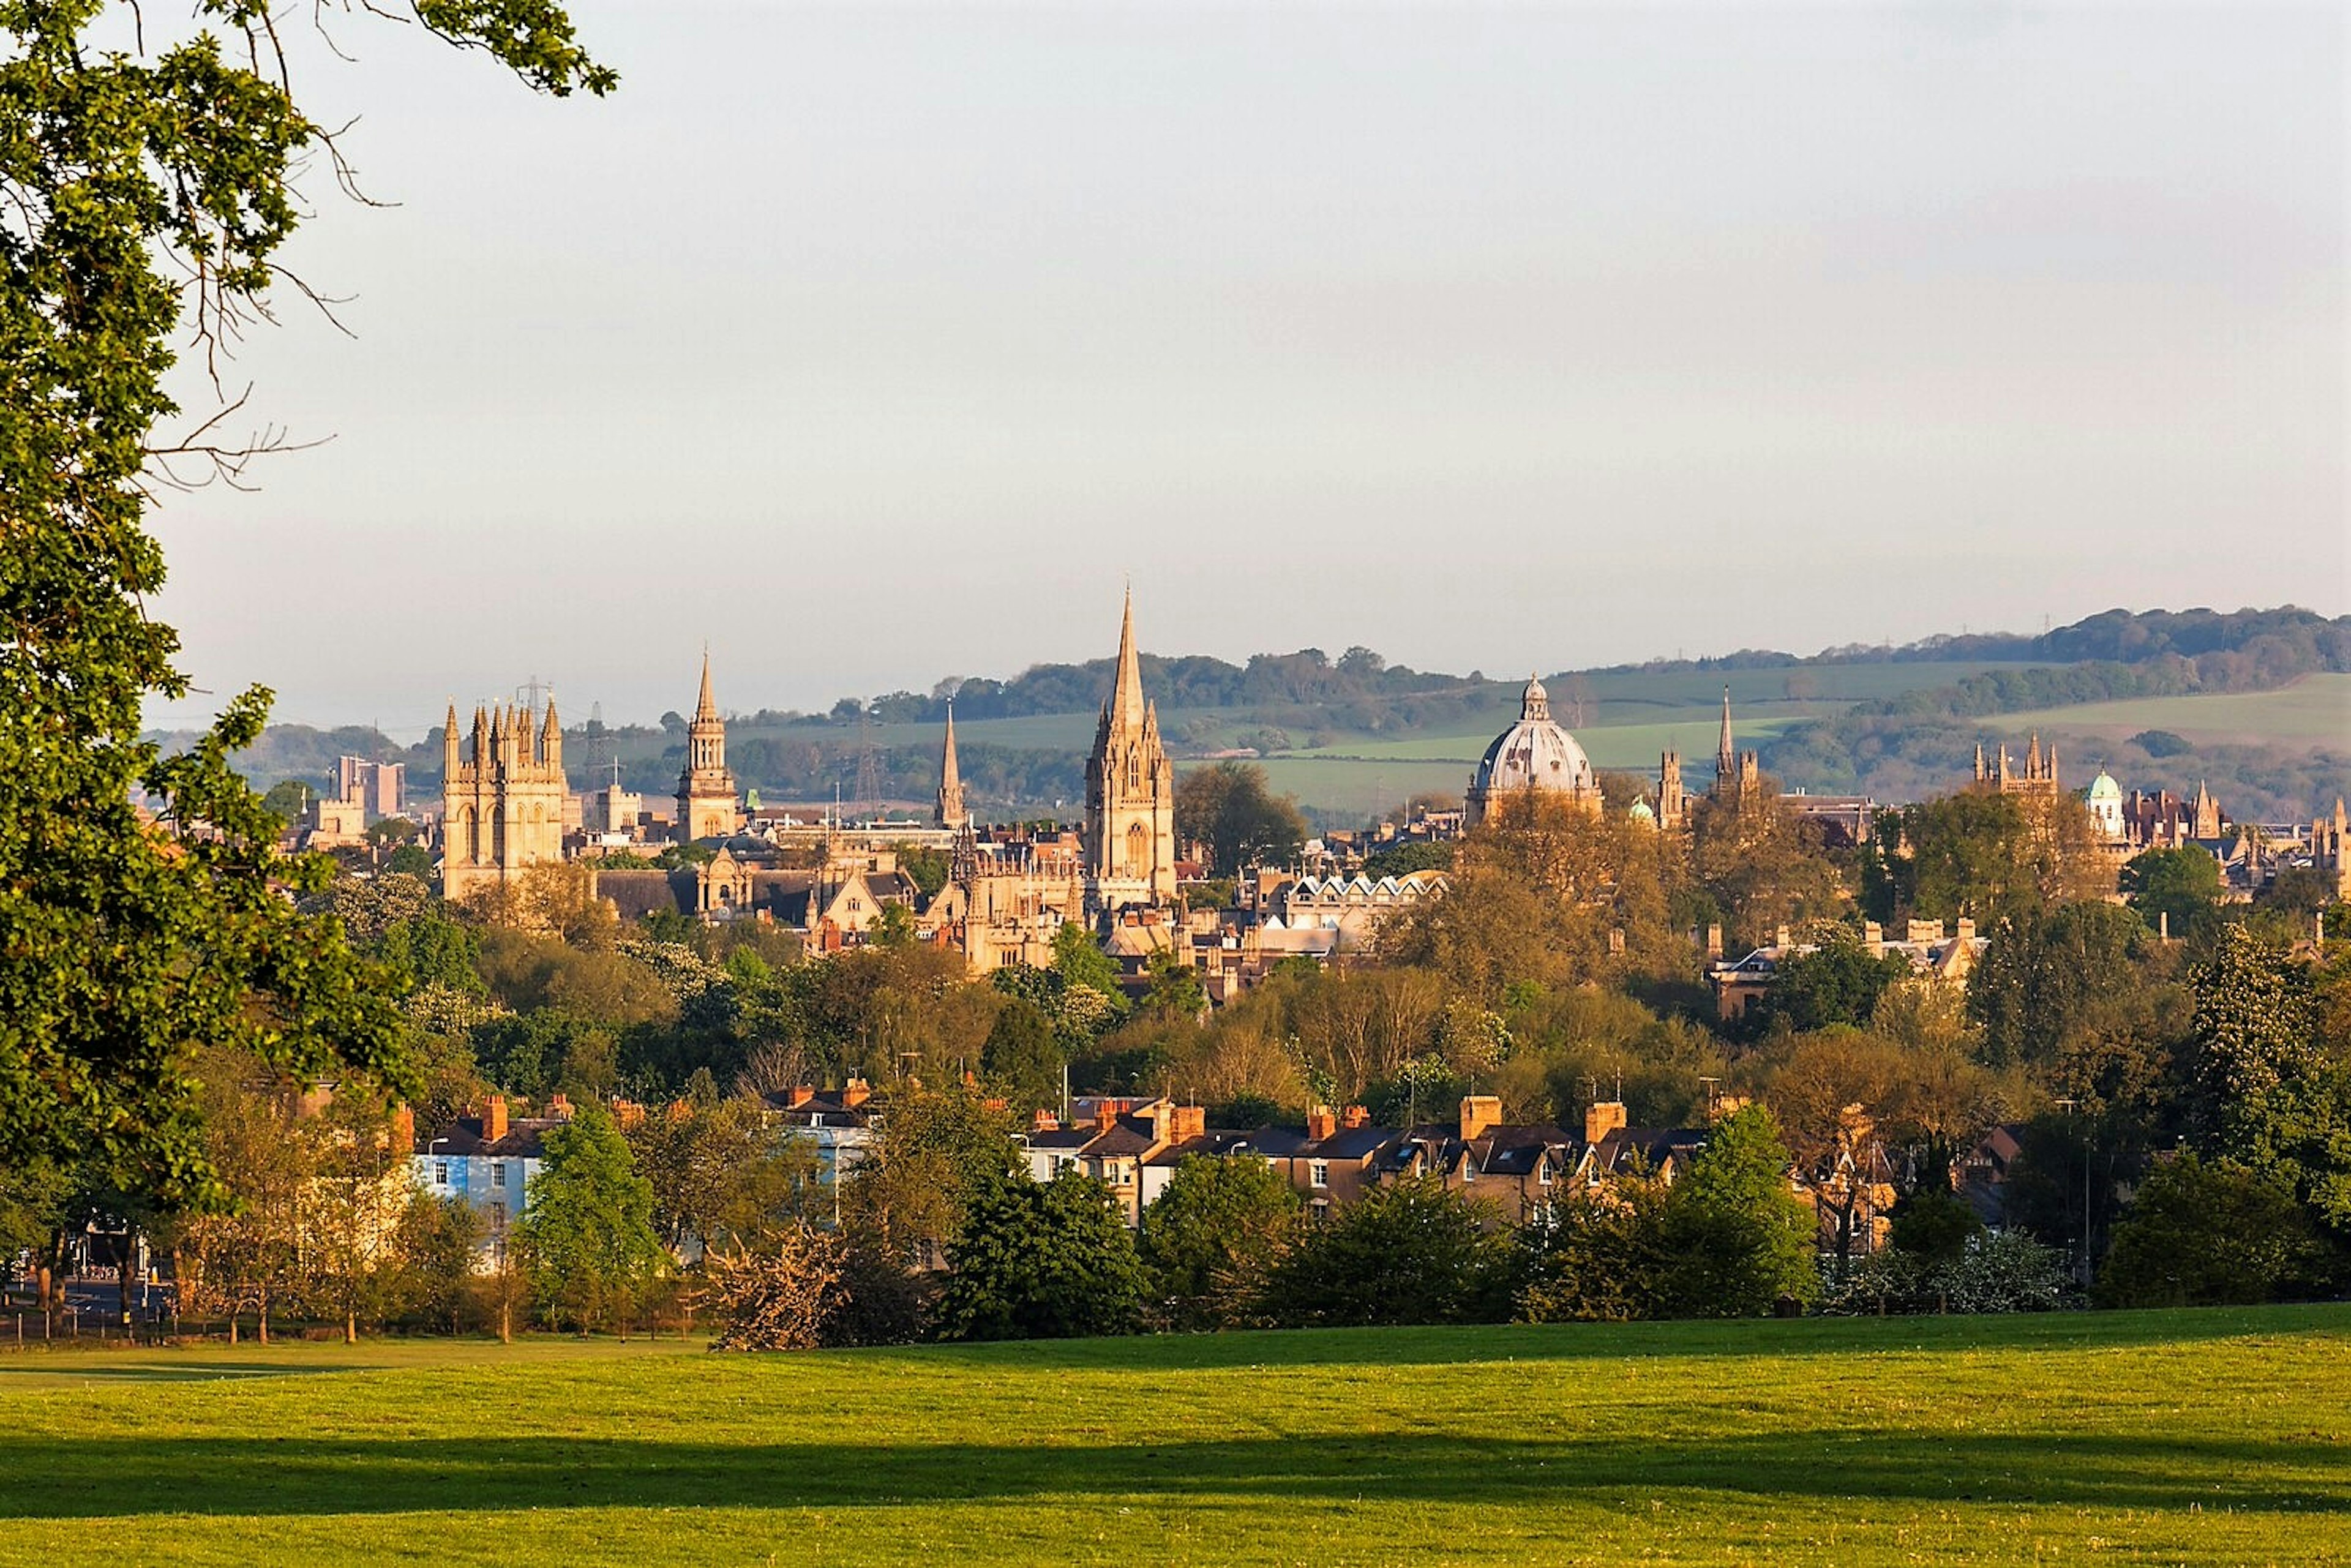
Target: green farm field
[(2315, 709), (2208, 1437)]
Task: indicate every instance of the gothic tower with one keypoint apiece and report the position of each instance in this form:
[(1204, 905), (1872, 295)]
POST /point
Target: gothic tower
[(1672, 806), (501, 809), (1726, 756), (1736, 773), (705, 789), (950, 812), (1130, 831)]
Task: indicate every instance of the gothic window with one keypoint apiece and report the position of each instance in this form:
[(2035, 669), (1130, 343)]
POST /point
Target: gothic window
[(1138, 849), (1133, 773)]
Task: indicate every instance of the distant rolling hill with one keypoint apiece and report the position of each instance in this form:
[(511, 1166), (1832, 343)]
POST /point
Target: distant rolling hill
[(2256, 702)]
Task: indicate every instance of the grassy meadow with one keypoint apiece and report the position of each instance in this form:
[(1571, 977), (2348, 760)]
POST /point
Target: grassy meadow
[(2202, 1437)]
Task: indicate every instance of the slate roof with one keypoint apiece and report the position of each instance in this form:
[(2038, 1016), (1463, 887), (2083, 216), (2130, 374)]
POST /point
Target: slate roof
[(525, 1139)]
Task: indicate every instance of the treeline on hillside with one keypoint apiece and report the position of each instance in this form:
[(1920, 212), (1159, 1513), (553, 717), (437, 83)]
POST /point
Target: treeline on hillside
[(1898, 759), (1898, 749), (2287, 635), (1307, 679)]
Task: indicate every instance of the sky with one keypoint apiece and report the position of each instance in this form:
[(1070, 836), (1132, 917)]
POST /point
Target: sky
[(871, 346)]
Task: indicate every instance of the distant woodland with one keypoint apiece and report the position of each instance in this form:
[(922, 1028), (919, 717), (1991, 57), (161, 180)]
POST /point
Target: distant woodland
[(1901, 747)]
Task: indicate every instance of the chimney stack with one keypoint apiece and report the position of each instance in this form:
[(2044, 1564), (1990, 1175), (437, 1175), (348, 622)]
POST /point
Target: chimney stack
[(799, 1095), (1191, 1122), (1044, 1122), (1319, 1122), (403, 1130), (855, 1093), (494, 1120), (1354, 1117), (1480, 1112), (1603, 1117), (560, 1104)]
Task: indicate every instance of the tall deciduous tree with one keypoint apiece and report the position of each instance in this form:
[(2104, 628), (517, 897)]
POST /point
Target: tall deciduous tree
[(142, 191), (587, 1236), (1042, 1262), (1230, 809), (1209, 1238), (1738, 1238)]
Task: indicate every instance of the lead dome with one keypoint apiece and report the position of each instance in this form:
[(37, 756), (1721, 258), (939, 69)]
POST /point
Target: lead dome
[(1534, 755)]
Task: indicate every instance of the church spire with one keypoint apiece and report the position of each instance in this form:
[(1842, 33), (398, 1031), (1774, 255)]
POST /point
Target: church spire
[(1726, 751), (705, 710), (1126, 692), (951, 812)]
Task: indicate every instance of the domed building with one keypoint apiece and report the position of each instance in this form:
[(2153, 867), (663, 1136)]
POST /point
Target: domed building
[(1533, 756), (2105, 804)]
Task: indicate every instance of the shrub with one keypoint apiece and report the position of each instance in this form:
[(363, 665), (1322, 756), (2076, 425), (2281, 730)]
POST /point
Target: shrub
[(2212, 1235), (1049, 1261), (1406, 1252), (1994, 1272), (777, 1297), (1594, 1258)]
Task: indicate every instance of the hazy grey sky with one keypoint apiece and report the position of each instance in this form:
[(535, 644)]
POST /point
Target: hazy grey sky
[(877, 345)]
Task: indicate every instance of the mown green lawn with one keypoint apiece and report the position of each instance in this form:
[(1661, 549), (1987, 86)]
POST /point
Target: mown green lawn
[(2212, 1437)]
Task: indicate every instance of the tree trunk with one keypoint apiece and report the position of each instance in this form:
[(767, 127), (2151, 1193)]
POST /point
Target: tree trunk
[(505, 1322), (232, 1325), (264, 1317), (47, 1280), (350, 1326)]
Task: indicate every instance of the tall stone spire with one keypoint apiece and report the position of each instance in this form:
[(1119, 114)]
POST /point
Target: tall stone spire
[(705, 710), (550, 735), (950, 812), (1126, 692), (1726, 751)]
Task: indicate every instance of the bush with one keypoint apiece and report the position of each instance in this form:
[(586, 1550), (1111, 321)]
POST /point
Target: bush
[(1738, 1242), (1049, 1261), (876, 1300), (1209, 1239), (2003, 1272), (778, 1297), (2213, 1234), (1594, 1258), (1406, 1252)]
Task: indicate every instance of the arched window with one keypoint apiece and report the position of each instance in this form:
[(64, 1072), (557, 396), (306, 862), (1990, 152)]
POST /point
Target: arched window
[(1138, 849), (1134, 774)]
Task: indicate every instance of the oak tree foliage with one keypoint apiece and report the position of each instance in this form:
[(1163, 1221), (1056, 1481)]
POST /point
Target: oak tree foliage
[(147, 185)]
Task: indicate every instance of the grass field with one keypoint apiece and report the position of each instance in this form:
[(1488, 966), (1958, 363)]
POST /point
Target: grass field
[(2315, 708), (2213, 1437)]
